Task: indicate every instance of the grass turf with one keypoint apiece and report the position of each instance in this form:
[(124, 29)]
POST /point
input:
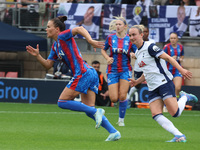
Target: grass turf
[(47, 127)]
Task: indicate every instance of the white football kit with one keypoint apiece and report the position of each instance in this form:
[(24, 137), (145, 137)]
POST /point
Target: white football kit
[(136, 67), (153, 68)]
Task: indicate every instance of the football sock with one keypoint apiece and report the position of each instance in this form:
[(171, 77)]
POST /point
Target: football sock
[(181, 104), (122, 108), (105, 123), (76, 106), (132, 92), (166, 124)]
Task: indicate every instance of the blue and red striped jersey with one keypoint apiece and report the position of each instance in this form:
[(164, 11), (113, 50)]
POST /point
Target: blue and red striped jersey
[(66, 49), (178, 51), (120, 51)]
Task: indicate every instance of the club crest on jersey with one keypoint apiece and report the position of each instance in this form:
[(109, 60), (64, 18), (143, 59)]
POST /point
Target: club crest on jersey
[(141, 64), (120, 50), (61, 54), (126, 43)]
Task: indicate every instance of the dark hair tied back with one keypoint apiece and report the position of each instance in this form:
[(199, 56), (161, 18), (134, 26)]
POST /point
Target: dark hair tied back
[(62, 18), (59, 22)]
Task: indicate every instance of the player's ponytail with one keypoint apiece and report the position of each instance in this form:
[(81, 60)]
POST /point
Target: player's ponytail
[(62, 18), (59, 22)]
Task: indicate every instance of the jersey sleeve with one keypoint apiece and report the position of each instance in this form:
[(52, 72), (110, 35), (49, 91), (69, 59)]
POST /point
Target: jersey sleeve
[(132, 47), (53, 56), (65, 35), (107, 43), (154, 50), (165, 49), (182, 51)]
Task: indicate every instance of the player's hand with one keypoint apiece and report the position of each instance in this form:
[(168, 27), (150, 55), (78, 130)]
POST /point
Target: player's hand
[(186, 74), (175, 57), (132, 55), (97, 44), (33, 51), (110, 60), (132, 82), (103, 95)]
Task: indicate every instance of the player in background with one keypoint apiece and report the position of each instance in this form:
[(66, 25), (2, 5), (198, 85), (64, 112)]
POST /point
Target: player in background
[(176, 51), (85, 79), (119, 69), (151, 60), (137, 71)]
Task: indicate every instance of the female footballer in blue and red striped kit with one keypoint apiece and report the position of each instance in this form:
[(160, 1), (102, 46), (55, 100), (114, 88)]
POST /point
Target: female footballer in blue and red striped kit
[(119, 69), (85, 79), (176, 51)]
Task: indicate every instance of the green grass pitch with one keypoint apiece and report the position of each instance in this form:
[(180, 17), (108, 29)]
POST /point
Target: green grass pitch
[(47, 127)]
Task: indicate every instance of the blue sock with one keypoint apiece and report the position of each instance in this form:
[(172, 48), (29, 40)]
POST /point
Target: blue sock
[(122, 108), (105, 123), (76, 106)]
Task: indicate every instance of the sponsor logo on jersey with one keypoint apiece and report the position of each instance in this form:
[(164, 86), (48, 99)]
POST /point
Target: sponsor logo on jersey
[(120, 50), (156, 48), (141, 64)]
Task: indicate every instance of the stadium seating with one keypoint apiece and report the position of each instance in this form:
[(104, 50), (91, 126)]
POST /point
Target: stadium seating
[(12, 74), (2, 74)]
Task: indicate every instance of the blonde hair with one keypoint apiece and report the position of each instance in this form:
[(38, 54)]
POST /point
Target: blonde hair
[(139, 27), (112, 25)]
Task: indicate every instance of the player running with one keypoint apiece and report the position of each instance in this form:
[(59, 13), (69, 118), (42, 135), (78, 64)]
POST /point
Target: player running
[(119, 69), (176, 51), (151, 60), (85, 79)]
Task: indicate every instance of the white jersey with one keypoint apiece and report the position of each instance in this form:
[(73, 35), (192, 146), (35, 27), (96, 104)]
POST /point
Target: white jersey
[(153, 68), (136, 67)]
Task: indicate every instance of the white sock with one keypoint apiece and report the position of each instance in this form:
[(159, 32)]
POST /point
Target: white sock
[(132, 92), (167, 124), (181, 104), (121, 120)]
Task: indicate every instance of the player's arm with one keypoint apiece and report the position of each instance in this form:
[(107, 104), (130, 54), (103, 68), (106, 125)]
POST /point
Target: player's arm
[(181, 58), (187, 74), (134, 82), (35, 52), (109, 59), (82, 31), (132, 55)]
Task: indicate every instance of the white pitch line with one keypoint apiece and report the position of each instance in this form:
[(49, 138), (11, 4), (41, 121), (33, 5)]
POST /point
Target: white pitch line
[(81, 113)]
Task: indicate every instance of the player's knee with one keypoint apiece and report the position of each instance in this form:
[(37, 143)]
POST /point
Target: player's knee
[(155, 116), (122, 97), (114, 100), (176, 114)]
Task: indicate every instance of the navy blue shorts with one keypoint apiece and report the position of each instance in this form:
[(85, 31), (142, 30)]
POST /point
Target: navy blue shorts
[(137, 74), (163, 92)]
